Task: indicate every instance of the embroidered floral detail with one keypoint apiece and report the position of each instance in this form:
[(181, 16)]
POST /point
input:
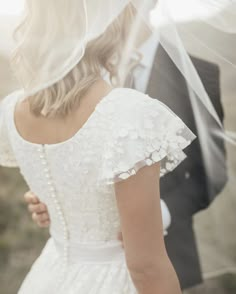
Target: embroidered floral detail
[(148, 132)]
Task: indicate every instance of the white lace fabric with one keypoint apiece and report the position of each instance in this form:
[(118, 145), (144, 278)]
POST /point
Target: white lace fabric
[(127, 130), (145, 133)]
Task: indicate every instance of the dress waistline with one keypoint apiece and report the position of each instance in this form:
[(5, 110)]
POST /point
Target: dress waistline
[(107, 252)]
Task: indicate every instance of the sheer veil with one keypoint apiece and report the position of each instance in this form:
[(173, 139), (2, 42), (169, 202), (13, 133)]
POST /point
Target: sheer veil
[(53, 38)]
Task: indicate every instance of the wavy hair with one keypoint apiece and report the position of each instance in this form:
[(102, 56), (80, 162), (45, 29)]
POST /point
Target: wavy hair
[(102, 54)]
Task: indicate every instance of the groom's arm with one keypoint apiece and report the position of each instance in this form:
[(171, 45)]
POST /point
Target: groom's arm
[(41, 217), (40, 213), (38, 210)]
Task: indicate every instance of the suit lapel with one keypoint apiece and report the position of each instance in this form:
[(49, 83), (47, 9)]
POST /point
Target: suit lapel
[(152, 83)]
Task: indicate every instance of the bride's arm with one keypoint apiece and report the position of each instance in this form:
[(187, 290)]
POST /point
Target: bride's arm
[(138, 200)]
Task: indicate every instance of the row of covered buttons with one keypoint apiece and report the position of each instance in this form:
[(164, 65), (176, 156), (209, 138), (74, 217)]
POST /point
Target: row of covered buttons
[(52, 193)]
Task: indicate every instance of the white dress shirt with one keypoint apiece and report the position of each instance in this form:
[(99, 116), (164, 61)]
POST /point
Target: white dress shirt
[(143, 71)]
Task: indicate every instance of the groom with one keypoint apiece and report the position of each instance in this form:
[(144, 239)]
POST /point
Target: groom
[(187, 190)]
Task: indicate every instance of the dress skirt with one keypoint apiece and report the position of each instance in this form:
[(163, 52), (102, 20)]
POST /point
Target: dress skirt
[(98, 269)]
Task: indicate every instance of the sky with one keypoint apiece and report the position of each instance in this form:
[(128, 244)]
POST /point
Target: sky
[(181, 8), (11, 7)]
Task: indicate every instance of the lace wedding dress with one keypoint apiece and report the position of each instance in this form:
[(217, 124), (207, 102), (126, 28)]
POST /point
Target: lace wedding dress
[(75, 178)]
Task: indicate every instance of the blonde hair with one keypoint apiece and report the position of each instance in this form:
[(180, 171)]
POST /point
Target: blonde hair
[(103, 53)]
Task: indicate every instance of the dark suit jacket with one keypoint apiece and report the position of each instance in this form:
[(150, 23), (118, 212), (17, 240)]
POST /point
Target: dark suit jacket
[(189, 188)]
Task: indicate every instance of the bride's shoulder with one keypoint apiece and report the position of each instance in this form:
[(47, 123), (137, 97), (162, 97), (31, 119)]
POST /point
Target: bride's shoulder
[(140, 131), (132, 104), (129, 94), (131, 109), (127, 99)]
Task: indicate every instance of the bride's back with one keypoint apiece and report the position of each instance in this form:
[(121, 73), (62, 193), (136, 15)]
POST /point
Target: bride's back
[(44, 130), (59, 139), (61, 158)]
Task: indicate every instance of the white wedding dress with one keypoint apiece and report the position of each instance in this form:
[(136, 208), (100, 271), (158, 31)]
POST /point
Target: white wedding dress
[(75, 178)]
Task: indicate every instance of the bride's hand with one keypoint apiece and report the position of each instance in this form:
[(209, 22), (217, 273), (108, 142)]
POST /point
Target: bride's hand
[(38, 210)]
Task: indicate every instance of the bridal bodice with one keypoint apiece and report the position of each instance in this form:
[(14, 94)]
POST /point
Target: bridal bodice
[(76, 178)]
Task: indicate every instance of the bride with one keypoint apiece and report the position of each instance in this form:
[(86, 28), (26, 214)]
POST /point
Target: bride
[(94, 152)]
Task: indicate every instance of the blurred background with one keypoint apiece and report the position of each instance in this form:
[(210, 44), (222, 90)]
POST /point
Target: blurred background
[(20, 239)]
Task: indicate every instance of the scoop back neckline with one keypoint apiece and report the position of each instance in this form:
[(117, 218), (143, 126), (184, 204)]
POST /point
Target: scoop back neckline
[(76, 134)]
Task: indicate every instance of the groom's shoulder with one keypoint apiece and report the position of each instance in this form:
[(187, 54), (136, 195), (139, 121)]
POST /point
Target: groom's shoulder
[(201, 64)]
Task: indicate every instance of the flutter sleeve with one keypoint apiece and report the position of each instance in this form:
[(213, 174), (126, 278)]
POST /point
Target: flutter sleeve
[(7, 157), (142, 131)]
